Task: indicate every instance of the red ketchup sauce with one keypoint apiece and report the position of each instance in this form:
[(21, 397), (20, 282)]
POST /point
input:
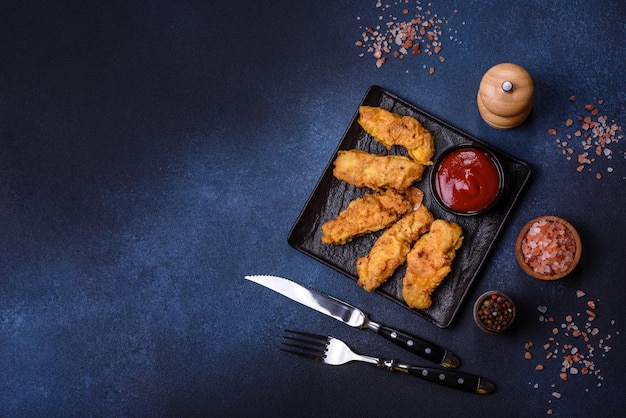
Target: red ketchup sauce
[(467, 180)]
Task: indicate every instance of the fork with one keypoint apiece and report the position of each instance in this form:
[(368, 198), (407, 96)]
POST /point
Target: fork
[(330, 350)]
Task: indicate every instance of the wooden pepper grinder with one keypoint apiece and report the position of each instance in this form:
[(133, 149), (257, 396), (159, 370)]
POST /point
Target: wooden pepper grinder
[(505, 96)]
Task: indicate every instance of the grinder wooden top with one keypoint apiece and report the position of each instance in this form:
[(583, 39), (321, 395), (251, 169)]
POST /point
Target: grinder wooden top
[(505, 96)]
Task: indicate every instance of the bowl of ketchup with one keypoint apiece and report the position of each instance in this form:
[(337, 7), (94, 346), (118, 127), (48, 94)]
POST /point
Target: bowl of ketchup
[(467, 180)]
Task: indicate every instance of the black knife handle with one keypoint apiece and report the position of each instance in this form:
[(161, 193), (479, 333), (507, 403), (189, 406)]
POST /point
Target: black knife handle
[(421, 347), (451, 378)]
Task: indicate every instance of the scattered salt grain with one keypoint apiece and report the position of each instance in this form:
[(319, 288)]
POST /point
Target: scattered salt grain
[(573, 349), (596, 133), (403, 33)]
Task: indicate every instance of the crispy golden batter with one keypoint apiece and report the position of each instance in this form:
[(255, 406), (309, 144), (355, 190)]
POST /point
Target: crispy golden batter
[(370, 213), (429, 262), (362, 169), (391, 248), (392, 129)]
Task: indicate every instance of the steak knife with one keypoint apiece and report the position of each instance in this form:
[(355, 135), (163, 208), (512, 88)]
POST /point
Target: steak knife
[(356, 318)]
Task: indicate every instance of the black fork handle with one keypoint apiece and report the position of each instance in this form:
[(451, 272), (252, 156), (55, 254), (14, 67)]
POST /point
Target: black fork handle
[(450, 378)]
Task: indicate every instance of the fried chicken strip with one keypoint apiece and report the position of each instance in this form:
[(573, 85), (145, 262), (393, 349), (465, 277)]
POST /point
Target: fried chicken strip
[(370, 213), (362, 169), (390, 250), (392, 129), (429, 262)]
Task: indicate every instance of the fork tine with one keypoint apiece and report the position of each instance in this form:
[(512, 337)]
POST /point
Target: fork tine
[(313, 348)]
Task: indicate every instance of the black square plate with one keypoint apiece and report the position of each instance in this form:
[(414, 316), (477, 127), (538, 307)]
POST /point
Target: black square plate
[(480, 232)]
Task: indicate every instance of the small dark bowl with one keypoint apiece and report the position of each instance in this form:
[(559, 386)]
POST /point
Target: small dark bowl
[(433, 180), (491, 328)]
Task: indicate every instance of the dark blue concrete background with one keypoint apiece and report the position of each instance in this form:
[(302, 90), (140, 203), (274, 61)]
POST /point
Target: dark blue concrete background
[(152, 153)]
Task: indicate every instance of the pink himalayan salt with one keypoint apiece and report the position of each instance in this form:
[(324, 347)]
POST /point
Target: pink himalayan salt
[(549, 247)]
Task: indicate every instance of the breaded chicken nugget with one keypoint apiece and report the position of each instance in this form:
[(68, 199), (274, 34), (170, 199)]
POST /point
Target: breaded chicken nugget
[(362, 169), (390, 250), (429, 262), (392, 129), (370, 213)]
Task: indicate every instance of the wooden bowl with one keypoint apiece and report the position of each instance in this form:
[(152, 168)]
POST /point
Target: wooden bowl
[(494, 296), (552, 275)]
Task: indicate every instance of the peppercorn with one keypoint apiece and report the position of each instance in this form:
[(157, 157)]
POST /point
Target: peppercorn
[(494, 312)]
